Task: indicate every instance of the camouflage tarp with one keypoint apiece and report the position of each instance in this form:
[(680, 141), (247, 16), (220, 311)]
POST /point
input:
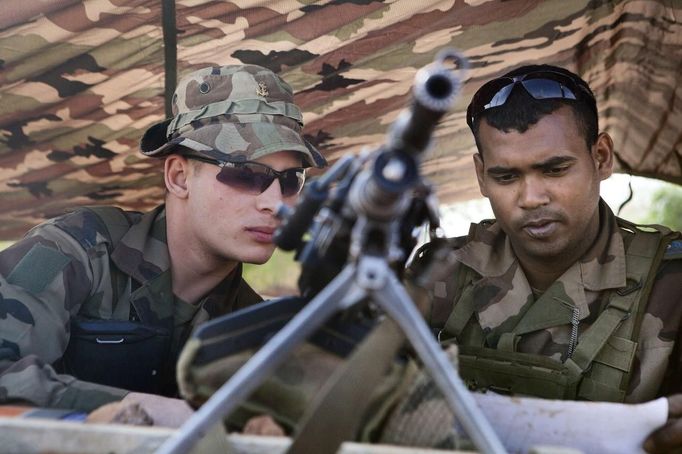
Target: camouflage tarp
[(81, 80)]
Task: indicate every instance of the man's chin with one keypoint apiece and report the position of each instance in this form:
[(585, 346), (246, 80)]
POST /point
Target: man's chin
[(538, 249), (259, 258), (545, 254)]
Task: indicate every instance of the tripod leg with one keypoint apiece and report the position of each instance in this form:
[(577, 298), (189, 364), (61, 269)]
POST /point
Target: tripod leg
[(393, 298), (264, 362)]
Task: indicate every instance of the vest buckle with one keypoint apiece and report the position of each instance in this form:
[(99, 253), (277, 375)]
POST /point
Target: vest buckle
[(634, 286)]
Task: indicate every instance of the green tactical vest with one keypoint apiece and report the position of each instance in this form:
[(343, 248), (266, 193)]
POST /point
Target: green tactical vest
[(601, 364)]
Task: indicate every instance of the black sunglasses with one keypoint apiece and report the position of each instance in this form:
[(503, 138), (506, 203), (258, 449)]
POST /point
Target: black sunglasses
[(254, 178), (538, 84)]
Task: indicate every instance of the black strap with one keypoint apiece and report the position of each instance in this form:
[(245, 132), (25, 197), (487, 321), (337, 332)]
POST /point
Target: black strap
[(170, 54), (251, 327)]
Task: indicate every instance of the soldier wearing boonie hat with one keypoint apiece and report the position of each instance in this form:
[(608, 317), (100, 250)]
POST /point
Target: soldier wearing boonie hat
[(234, 113), (140, 282)]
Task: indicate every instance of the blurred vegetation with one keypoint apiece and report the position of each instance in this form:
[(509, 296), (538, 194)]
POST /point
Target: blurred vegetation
[(666, 207), (277, 277)]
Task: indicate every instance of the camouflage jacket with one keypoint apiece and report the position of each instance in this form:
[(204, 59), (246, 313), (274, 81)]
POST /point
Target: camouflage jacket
[(503, 302), (68, 267)]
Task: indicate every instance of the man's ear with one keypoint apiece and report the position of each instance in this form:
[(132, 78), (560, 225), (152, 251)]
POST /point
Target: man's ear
[(602, 153), (480, 172), (176, 174)]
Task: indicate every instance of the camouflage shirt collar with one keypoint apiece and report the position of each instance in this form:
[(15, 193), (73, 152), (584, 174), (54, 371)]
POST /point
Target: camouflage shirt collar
[(143, 254), (603, 265), (488, 251), (143, 251)]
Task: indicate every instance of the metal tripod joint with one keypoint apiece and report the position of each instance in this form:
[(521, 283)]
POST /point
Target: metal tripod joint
[(371, 273)]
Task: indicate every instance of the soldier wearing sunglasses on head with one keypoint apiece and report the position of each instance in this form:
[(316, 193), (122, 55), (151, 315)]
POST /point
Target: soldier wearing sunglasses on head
[(557, 297), (98, 303)]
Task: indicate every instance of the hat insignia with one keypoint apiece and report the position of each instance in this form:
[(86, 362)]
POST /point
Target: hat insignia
[(262, 90)]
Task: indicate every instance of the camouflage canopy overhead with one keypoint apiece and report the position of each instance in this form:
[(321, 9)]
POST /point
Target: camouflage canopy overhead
[(80, 81)]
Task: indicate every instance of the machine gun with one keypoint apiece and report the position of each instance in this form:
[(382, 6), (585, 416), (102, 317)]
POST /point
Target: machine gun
[(358, 216), (372, 202)]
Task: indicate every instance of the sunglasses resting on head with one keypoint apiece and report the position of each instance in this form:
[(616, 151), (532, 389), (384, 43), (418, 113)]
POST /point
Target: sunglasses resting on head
[(538, 84), (255, 178)]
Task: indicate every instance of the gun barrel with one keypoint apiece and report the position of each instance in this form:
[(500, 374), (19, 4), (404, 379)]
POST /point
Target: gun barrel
[(435, 90), (377, 192)]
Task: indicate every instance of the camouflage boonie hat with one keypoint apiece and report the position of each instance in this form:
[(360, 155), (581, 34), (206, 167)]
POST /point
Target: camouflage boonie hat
[(232, 113)]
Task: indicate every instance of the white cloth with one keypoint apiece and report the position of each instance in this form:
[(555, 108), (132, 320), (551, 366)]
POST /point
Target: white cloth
[(591, 427)]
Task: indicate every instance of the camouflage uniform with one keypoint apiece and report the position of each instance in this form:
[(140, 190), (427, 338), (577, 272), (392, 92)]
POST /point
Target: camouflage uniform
[(68, 267), (106, 264), (506, 315)]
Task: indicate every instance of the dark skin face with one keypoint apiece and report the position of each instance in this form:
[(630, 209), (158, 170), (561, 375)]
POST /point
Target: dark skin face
[(543, 186)]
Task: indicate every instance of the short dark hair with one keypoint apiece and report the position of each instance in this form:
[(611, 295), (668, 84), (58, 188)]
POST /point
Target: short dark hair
[(521, 110)]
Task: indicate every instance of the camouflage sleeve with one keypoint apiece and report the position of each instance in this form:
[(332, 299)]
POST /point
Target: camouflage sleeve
[(44, 280), (660, 354)]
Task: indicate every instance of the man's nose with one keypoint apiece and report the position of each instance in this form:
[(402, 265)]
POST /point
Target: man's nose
[(533, 193), (270, 199)]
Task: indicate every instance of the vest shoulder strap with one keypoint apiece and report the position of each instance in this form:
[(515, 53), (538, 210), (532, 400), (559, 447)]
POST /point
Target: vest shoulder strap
[(644, 259)]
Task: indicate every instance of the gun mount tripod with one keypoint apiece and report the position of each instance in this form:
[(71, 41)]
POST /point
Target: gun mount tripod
[(371, 201)]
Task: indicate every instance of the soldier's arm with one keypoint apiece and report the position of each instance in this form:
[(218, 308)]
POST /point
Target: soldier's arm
[(44, 279), (665, 305), (144, 409)]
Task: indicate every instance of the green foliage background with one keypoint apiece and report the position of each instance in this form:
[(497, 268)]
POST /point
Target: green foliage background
[(666, 207), (277, 277)]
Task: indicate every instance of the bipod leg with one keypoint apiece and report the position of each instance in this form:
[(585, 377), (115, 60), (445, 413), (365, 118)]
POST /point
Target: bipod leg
[(392, 297), (261, 365)]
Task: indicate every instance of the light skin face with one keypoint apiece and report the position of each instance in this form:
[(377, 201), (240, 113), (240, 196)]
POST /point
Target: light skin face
[(543, 186), (212, 226)]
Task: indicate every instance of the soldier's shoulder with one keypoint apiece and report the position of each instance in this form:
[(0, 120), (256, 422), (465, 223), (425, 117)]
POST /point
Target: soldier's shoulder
[(90, 226), (436, 244), (476, 230), (673, 250)]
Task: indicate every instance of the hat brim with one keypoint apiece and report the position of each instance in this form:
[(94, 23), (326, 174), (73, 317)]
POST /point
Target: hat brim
[(232, 142)]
